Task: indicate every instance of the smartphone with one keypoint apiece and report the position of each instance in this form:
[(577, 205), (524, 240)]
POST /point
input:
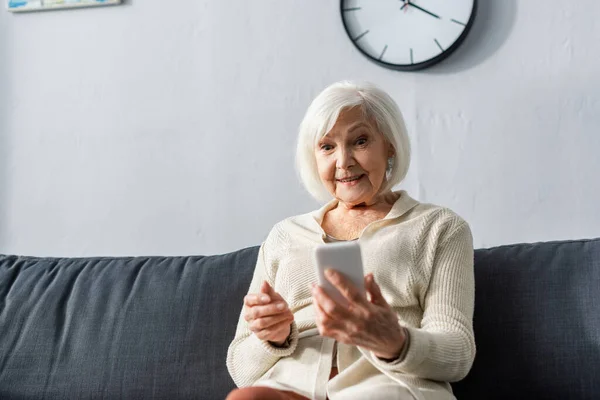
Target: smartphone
[(344, 257)]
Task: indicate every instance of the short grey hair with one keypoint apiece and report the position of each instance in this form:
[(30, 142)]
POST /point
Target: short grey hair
[(322, 115)]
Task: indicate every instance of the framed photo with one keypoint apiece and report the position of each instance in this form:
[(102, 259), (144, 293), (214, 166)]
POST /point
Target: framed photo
[(38, 5)]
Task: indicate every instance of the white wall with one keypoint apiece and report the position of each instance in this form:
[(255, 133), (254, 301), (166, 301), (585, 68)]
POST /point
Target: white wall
[(153, 129)]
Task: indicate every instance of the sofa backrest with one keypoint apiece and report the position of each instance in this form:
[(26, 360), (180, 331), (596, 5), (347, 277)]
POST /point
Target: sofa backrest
[(159, 327), (110, 328), (537, 322)]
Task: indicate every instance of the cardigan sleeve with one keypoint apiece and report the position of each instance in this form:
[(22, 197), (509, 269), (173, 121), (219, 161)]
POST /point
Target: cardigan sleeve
[(443, 347), (248, 357)]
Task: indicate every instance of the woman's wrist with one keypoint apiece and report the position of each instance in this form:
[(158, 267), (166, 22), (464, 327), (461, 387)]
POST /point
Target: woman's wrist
[(282, 343), (285, 342), (398, 352)]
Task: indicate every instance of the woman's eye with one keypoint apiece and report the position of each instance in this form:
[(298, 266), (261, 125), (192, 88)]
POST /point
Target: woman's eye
[(361, 141), (326, 147)]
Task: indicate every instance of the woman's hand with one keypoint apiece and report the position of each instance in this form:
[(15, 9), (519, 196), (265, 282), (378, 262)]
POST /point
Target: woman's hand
[(368, 323), (268, 315)]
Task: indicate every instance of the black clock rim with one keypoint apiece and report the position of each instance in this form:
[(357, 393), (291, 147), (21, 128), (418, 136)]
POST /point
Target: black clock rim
[(419, 66)]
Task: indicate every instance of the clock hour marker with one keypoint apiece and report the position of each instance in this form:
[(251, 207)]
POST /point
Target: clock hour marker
[(383, 52), (361, 35), (352, 9), (411, 57), (458, 22), (439, 45)]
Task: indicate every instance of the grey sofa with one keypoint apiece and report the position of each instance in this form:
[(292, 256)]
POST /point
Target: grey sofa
[(159, 327)]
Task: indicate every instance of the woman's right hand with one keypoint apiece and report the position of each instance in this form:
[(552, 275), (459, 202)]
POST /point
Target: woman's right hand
[(268, 315)]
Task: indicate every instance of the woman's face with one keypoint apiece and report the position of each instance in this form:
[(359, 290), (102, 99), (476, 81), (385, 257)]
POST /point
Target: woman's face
[(352, 158)]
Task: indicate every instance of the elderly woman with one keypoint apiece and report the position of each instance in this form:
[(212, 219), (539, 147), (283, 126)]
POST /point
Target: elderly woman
[(412, 333)]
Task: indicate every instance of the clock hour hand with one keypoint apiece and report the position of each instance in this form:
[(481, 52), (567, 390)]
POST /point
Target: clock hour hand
[(407, 3)]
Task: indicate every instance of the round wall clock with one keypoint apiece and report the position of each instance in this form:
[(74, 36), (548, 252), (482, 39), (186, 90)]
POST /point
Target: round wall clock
[(407, 35)]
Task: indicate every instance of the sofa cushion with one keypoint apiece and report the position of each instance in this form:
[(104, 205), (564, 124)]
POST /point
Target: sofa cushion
[(537, 322), (159, 327), (134, 328)]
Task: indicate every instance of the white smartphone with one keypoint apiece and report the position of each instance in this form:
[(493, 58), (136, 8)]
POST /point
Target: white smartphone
[(344, 257)]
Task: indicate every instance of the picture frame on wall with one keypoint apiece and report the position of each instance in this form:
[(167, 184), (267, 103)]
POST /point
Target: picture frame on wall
[(40, 5)]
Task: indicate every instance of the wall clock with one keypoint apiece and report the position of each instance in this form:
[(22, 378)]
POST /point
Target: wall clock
[(407, 35)]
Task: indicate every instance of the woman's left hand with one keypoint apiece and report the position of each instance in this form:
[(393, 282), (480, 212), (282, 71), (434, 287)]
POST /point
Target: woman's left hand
[(368, 323)]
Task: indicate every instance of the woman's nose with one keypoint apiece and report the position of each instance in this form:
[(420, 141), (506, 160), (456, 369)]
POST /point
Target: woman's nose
[(344, 159)]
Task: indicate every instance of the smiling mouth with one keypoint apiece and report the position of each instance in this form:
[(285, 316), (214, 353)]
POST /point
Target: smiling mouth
[(352, 179)]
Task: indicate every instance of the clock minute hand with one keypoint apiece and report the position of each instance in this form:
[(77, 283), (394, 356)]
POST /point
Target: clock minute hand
[(424, 10)]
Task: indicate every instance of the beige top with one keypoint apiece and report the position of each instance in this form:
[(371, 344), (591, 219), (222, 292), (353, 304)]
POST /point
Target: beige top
[(421, 256)]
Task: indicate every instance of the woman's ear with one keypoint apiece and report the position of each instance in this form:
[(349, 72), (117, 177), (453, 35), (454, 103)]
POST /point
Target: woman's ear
[(391, 150)]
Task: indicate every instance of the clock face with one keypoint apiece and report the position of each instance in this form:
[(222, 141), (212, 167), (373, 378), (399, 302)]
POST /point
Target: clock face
[(407, 34)]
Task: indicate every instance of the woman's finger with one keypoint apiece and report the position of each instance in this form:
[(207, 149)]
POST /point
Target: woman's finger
[(268, 310), (252, 300), (325, 324), (269, 290), (374, 291), (274, 331), (328, 305), (320, 315), (268, 322), (347, 289), (264, 287)]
